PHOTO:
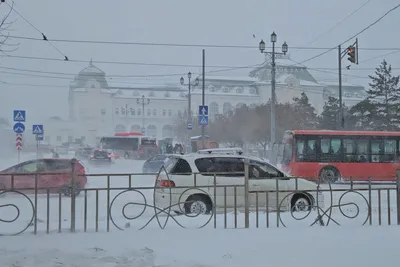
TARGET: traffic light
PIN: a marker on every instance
(352, 54)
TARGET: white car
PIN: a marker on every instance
(186, 190)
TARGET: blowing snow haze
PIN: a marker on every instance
(93, 35)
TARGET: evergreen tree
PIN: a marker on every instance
(385, 95)
(363, 116)
(330, 116)
(304, 113)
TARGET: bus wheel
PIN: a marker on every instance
(329, 175)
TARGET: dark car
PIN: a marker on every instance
(83, 153)
(102, 156)
(154, 164)
(53, 175)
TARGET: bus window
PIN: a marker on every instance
(299, 150)
(389, 150)
(330, 149)
(376, 150)
(349, 147)
(362, 150)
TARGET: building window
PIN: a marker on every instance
(164, 112)
(151, 94)
(133, 112)
(214, 109)
(139, 112)
(226, 108)
(154, 112)
(59, 139)
(148, 112)
(252, 91)
(239, 90)
(123, 111)
(117, 111)
(211, 88)
(103, 111)
(225, 89)
(170, 113)
(167, 94)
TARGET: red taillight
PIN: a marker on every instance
(166, 183)
(112, 155)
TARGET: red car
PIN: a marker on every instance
(53, 174)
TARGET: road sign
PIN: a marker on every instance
(19, 128)
(143, 130)
(203, 115)
(37, 129)
(18, 143)
(190, 126)
(203, 111)
(19, 115)
(39, 137)
(203, 120)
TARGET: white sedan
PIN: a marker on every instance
(184, 189)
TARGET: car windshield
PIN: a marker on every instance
(169, 163)
(100, 153)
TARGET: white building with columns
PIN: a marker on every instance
(97, 109)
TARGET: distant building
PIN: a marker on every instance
(97, 109)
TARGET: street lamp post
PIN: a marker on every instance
(273, 95)
(189, 121)
(143, 101)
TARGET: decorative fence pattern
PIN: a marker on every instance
(127, 204)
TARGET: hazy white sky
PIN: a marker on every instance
(219, 22)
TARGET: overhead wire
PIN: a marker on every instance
(44, 37)
(355, 35)
(338, 23)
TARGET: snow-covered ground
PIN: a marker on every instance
(305, 247)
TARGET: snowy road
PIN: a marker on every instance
(91, 208)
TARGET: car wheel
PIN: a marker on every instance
(301, 203)
(329, 175)
(198, 204)
(66, 190)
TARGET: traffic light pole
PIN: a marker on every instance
(352, 51)
(340, 87)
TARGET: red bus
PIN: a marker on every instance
(131, 145)
(342, 155)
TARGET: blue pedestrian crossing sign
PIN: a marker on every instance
(19, 128)
(203, 115)
(203, 120)
(37, 129)
(19, 115)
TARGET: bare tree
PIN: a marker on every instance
(5, 23)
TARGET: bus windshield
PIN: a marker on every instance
(287, 149)
(120, 143)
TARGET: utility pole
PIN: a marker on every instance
(203, 138)
(273, 83)
(352, 52)
(143, 101)
(190, 120)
